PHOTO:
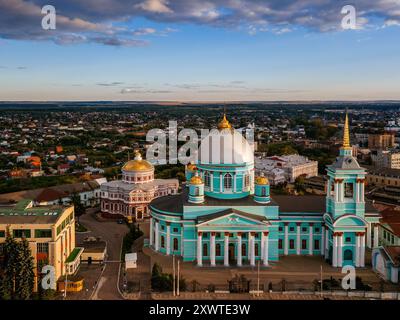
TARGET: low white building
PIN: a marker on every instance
(130, 260)
(287, 168)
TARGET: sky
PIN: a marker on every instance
(199, 50)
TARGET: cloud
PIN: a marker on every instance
(144, 31)
(143, 91)
(110, 84)
(106, 22)
(156, 6)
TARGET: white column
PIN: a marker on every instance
(221, 182)
(310, 240)
(199, 250)
(252, 250)
(362, 251)
(376, 236)
(151, 231)
(157, 236)
(336, 191)
(239, 250)
(286, 240)
(212, 249)
(326, 243)
(357, 191)
(369, 235)
(298, 239)
(334, 251)
(322, 240)
(234, 182)
(265, 249)
(362, 192)
(357, 263)
(212, 182)
(226, 249)
(262, 245)
(168, 238)
(340, 250)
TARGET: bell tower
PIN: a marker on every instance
(345, 190)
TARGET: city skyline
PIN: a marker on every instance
(156, 50)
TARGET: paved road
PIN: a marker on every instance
(113, 233)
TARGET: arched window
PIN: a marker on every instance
(243, 250)
(263, 191)
(228, 181)
(207, 179)
(205, 250)
(175, 244)
(348, 255)
(246, 180)
(256, 253)
(218, 249)
(162, 242)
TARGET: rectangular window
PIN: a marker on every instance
(317, 230)
(316, 244)
(291, 244)
(22, 233)
(175, 230)
(43, 233)
(304, 244)
(2, 234)
(43, 248)
(304, 229)
(348, 239)
(291, 229)
(280, 244)
(280, 229)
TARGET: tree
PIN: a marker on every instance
(7, 286)
(79, 207)
(17, 281)
(25, 277)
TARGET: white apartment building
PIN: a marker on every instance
(286, 168)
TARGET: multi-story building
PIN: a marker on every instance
(380, 141)
(226, 216)
(130, 196)
(383, 177)
(386, 258)
(386, 159)
(293, 166)
(50, 231)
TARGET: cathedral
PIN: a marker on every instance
(129, 197)
(225, 215)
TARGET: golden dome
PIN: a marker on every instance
(224, 123)
(138, 164)
(196, 180)
(191, 167)
(261, 180)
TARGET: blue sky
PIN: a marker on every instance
(222, 51)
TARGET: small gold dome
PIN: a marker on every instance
(191, 167)
(261, 180)
(138, 164)
(196, 180)
(224, 124)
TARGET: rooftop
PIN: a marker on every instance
(23, 212)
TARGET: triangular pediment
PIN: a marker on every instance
(231, 219)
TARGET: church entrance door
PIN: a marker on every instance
(231, 252)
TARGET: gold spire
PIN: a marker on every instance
(346, 133)
(224, 123)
